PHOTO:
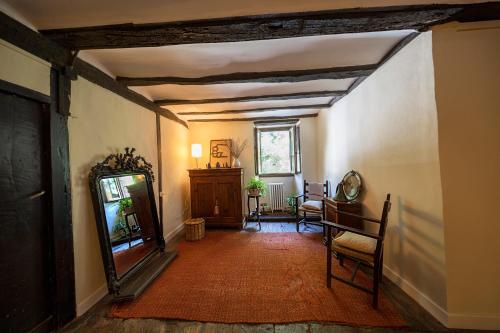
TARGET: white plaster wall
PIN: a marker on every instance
(101, 123)
(175, 162)
(386, 129)
(468, 101)
(24, 69)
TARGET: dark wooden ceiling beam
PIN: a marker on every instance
(250, 77)
(309, 115)
(277, 108)
(300, 95)
(271, 26)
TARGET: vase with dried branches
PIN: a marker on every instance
(236, 149)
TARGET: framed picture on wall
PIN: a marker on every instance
(220, 151)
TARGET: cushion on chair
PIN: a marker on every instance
(355, 245)
(312, 205)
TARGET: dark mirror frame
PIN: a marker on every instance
(129, 285)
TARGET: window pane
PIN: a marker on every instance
(275, 156)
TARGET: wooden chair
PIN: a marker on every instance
(364, 247)
(312, 204)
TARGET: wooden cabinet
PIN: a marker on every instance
(353, 207)
(216, 196)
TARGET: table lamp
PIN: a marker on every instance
(196, 152)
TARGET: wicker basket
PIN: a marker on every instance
(195, 229)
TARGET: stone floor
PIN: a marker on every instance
(95, 320)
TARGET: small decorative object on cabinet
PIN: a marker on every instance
(220, 152)
(216, 196)
(237, 148)
(351, 185)
(196, 152)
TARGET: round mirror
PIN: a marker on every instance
(352, 185)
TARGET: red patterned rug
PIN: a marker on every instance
(235, 277)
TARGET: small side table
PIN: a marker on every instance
(257, 207)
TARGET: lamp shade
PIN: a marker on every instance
(196, 150)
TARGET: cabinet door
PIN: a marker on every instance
(228, 196)
(203, 197)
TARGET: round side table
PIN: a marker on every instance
(257, 207)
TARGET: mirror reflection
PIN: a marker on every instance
(129, 220)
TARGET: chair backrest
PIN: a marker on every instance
(315, 191)
(383, 223)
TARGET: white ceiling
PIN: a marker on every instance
(197, 60)
(211, 91)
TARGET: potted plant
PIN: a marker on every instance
(256, 186)
(124, 207)
(292, 203)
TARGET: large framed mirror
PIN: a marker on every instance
(131, 240)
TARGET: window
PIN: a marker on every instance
(116, 188)
(277, 149)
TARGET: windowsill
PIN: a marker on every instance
(269, 175)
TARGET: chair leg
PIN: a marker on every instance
(297, 222)
(329, 258)
(381, 276)
(341, 259)
(376, 276)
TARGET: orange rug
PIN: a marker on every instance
(233, 277)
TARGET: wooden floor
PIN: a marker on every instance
(418, 319)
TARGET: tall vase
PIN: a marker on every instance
(236, 162)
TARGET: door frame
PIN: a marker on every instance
(62, 274)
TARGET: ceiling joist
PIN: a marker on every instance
(263, 77)
(309, 115)
(276, 108)
(299, 95)
(271, 26)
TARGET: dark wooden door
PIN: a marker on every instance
(25, 251)
(228, 195)
(203, 201)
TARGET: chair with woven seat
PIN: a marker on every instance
(312, 209)
(364, 247)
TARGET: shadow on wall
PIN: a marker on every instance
(415, 243)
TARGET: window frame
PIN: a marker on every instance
(295, 157)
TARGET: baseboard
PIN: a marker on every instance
(428, 304)
(474, 321)
(90, 301)
(171, 235)
(450, 320)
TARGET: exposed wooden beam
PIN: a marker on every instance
(402, 43)
(292, 107)
(271, 26)
(65, 61)
(31, 41)
(265, 77)
(300, 95)
(311, 115)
